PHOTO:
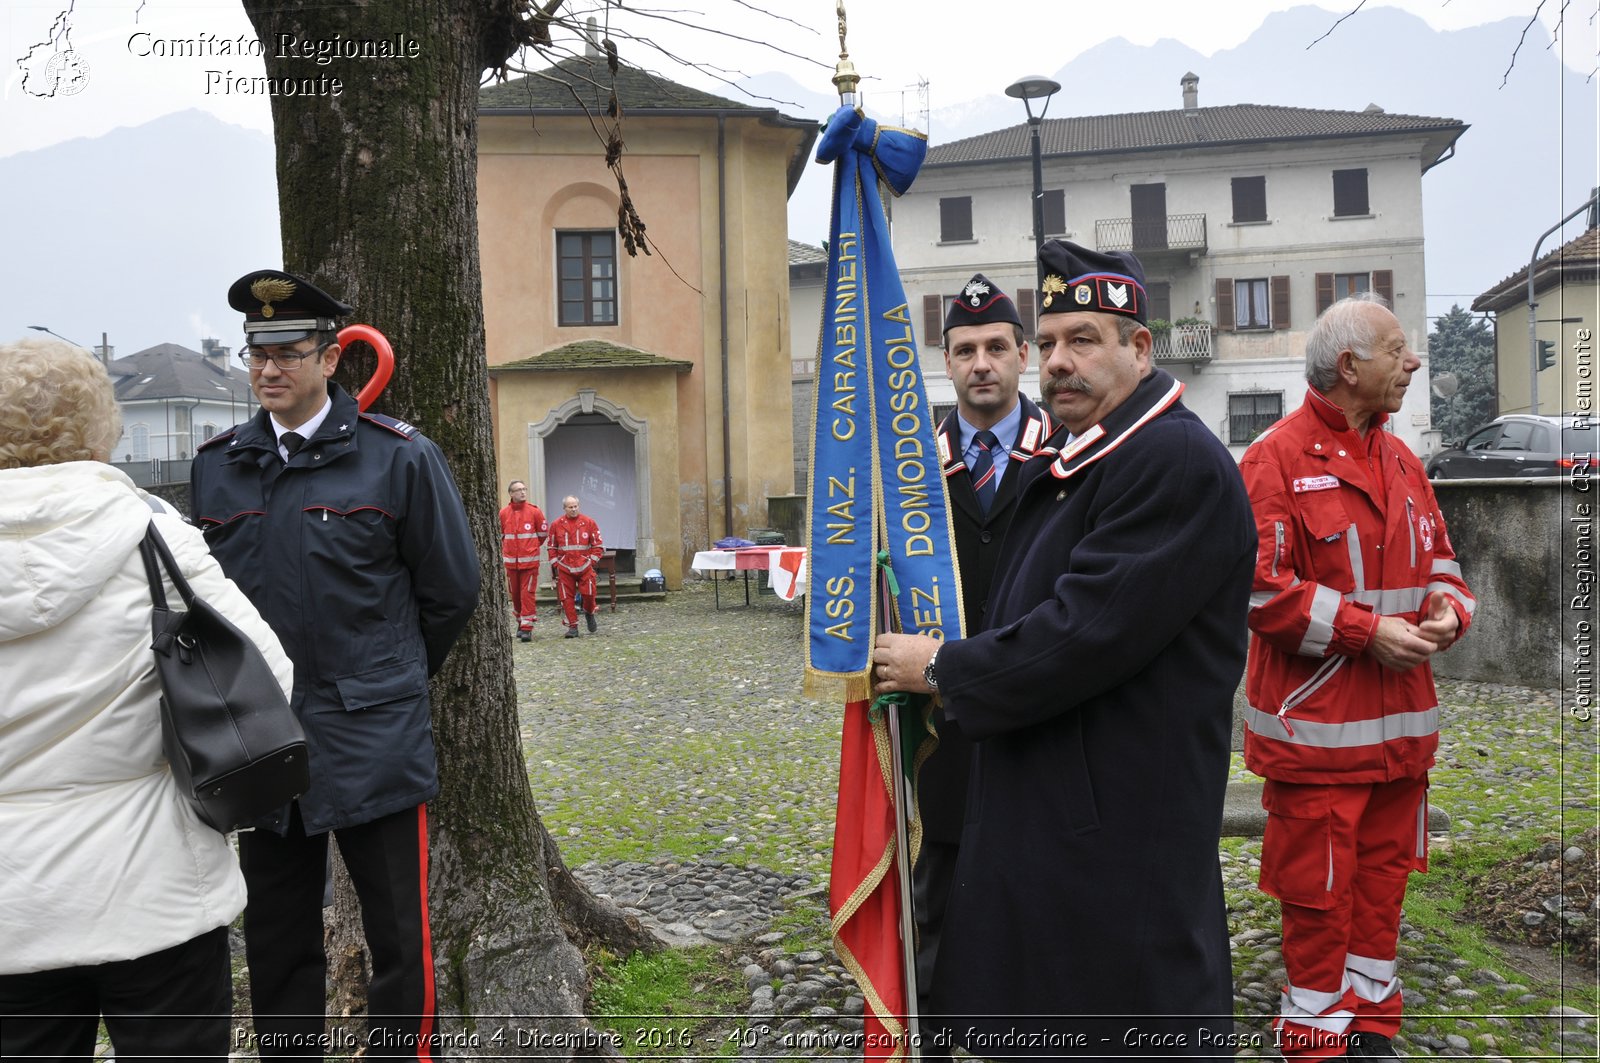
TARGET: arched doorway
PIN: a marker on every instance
(595, 449)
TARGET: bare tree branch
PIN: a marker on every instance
(1506, 77)
(1335, 25)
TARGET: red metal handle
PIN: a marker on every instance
(385, 368)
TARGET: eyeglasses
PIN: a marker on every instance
(288, 361)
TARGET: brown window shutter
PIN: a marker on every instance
(1225, 304)
(933, 320)
(1280, 302)
(1383, 284)
(1324, 292)
(1027, 311)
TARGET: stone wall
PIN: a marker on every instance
(1515, 544)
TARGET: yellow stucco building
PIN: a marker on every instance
(654, 387)
(1567, 296)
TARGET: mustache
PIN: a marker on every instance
(1058, 384)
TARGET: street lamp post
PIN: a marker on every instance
(57, 335)
(1028, 89)
(1533, 322)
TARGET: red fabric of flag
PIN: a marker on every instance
(864, 889)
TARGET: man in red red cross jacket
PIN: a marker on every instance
(574, 548)
(523, 531)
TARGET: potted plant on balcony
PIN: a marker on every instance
(1191, 336)
(1161, 334)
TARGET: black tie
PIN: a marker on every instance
(292, 442)
(983, 470)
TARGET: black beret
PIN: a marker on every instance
(980, 303)
(279, 307)
(1076, 279)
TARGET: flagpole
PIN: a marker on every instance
(902, 844)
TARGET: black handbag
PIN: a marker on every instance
(236, 748)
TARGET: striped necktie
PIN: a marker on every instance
(984, 478)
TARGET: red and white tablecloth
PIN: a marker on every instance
(785, 565)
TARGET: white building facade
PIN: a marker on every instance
(1248, 219)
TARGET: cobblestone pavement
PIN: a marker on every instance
(676, 760)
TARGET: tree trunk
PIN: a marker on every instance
(377, 188)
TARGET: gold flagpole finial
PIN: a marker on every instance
(845, 78)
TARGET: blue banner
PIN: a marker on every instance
(875, 473)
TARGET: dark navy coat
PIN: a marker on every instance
(358, 554)
(1100, 699)
(942, 782)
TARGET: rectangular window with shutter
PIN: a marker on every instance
(933, 320)
(1280, 302)
(1224, 295)
(1027, 310)
(1331, 287)
(1350, 194)
(1055, 212)
(1249, 199)
(1251, 309)
(955, 219)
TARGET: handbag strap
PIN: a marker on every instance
(164, 621)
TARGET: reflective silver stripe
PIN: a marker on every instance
(1319, 633)
(1300, 1004)
(1358, 568)
(1422, 826)
(527, 535)
(1441, 567)
(1372, 990)
(1260, 598)
(1390, 602)
(581, 547)
(508, 535)
(1468, 602)
(1377, 970)
(1347, 735)
(1329, 886)
(1277, 544)
(1410, 527)
(508, 559)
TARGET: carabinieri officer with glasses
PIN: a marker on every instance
(346, 531)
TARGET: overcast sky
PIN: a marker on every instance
(962, 49)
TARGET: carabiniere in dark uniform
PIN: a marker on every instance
(346, 531)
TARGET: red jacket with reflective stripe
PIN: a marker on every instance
(522, 533)
(575, 542)
(1349, 531)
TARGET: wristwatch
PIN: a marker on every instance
(928, 676)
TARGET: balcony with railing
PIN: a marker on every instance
(1192, 344)
(1144, 236)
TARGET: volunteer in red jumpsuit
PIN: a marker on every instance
(1356, 587)
(523, 530)
(574, 548)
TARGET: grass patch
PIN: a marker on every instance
(675, 1004)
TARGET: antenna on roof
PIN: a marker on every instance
(919, 117)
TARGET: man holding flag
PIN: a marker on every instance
(1099, 695)
(982, 442)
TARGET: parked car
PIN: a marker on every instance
(1519, 444)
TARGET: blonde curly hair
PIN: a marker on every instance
(56, 405)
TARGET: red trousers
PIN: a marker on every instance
(572, 585)
(1337, 857)
(523, 584)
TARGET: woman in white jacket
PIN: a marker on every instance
(115, 899)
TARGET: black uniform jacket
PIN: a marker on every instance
(942, 783)
(1100, 699)
(358, 553)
